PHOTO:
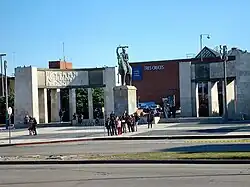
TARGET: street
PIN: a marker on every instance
(122, 146)
(125, 175)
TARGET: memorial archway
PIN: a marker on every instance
(32, 85)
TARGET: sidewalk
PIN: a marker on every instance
(49, 134)
(159, 131)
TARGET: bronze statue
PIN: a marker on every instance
(124, 68)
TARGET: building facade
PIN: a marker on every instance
(197, 83)
(156, 80)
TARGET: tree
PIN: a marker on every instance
(98, 97)
(82, 101)
(11, 98)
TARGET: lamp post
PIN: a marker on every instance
(1, 62)
(201, 39)
(201, 46)
(224, 57)
(6, 101)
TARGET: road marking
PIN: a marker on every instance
(219, 141)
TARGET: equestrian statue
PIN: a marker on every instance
(124, 68)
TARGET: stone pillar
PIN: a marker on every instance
(213, 99)
(125, 100)
(72, 103)
(231, 99)
(110, 81)
(185, 89)
(55, 105)
(90, 103)
(43, 105)
(26, 94)
(195, 99)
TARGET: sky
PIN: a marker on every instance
(32, 32)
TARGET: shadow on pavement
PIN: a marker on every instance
(210, 148)
(75, 128)
(55, 136)
(222, 130)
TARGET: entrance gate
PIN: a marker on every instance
(31, 85)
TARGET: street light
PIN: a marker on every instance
(1, 62)
(201, 46)
(201, 38)
(6, 100)
(224, 57)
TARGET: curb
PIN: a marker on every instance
(185, 137)
(85, 162)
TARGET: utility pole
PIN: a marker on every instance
(2, 81)
(6, 101)
(225, 58)
(63, 51)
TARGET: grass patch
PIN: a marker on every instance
(172, 155)
(136, 156)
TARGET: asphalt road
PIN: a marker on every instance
(125, 175)
(128, 146)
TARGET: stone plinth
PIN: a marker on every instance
(195, 99)
(125, 99)
(185, 89)
(213, 100)
(231, 99)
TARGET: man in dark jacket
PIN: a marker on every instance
(150, 119)
(33, 124)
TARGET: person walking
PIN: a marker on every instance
(150, 119)
(119, 125)
(107, 125)
(137, 119)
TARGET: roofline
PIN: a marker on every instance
(192, 60)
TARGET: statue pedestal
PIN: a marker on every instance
(125, 100)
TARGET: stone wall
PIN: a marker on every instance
(217, 71)
(242, 82)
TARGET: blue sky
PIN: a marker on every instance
(32, 31)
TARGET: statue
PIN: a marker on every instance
(124, 68)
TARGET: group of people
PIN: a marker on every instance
(32, 124)
(116, 125)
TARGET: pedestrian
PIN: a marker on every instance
(119, 125)
(150, 119)
(107, 124)
(32, 126)
(137, 119)
(132, 123)
(124, 129)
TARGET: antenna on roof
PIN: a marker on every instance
(63, 51)
(217, 49)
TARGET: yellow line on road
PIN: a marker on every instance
(219, 141)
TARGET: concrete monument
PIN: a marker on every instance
(125, 98)
(32, 85)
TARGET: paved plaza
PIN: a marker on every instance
(47, 134)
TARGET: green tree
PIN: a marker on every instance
(98, 97)
(82, 101)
